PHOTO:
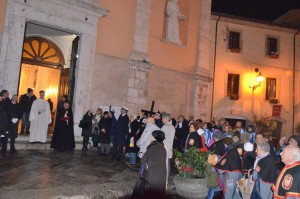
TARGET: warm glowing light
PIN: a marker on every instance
(51, 92)
(260, 78)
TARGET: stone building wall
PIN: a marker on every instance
(252, 55)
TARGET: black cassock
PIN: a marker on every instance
(63, 136)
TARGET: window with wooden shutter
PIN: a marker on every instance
(234, 41)
(233, 82)
(271, 88)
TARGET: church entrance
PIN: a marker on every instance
(48, 63)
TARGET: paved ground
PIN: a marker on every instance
(48, 174)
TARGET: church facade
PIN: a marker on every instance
(116, 53)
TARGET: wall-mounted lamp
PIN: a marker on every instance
(259, 80)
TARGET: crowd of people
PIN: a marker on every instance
(149, 140)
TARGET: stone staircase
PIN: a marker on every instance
(23, 144)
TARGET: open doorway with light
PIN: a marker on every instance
(48, 63)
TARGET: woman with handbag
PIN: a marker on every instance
(153, 173)
(86, 124)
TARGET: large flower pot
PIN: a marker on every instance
(190, 188)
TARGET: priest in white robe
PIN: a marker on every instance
(40, 118)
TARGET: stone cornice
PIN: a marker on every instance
(252, 23)
(138, 64)
(203, 76)
(79, 5)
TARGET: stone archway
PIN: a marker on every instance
(234, 113)
(80, 17)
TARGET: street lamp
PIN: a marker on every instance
(259, 80)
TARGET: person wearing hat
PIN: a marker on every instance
(122, 129)
(40, 118)
(248, 156)
(63, 135)
(153, 168)
(26, 101)
(294, 140)
(218, 147)
(236, 137)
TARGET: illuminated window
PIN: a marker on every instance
(233, 86)
(270, 88)
(40, 51)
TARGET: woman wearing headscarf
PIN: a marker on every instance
(153, 173)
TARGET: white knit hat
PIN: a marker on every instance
(248, 146)
(200, 131)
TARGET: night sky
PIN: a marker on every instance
(264, 10)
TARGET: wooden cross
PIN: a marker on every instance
(146, 112)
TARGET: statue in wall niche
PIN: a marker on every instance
(173, 17)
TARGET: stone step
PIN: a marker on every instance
(23, 144)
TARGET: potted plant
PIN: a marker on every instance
(191, 165)
(233, 96)
(273, 101)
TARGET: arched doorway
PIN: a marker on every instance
(43, 69)
(42, 61)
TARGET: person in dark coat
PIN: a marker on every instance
(105, 130)
(248, 157)
(132, 137)
(15, 114)
(193, 139)
(264, 170)
(229, 169)
(158, 120)
(218, 146)
(87, 132)
(181, 133)
(26, 101)
(153, 169)
(120, 136)
(4, 125)
(60, 104)
(63, 135)
(111, 115)
(5, 102)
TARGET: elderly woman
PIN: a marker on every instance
(153, 172)
(193, 139)
(265, 171)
